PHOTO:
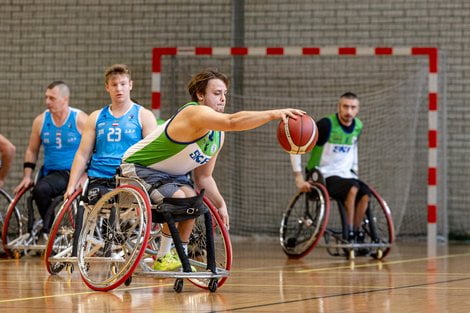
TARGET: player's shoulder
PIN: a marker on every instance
(41, 116)
(193, 108)
(358, 122)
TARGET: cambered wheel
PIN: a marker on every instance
(15, 221)
(60, 242)
(304, 221)
(378, 225)
(5, 200)
(114, 236)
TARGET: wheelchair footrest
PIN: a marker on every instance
(201, 275)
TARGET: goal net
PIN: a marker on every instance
(254, 174)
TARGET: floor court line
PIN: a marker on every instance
(82, 293)
(342, 295)
(385, 263)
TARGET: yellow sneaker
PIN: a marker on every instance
(169, 262)
(175, 254)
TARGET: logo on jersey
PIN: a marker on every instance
(341, 149)
(198, 157)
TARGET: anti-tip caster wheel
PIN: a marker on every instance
(178, 286)
(378, 255)
(213, 284)
(69, 268)
(351, 255)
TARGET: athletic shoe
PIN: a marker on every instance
(169, 262)
(175, 255)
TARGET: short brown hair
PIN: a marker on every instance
(116, 69)
(63, 88)
(198, 82)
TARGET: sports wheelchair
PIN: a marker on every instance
(121, 234)
(22, 226)
(308, 218)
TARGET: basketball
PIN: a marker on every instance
(298, 136)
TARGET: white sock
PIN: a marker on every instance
(165, 245)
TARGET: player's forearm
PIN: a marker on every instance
(211, 190)
(77, 170)
(245, 120)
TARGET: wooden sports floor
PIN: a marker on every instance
(264, 280)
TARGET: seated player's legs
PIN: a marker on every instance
(162, 185)
(45, 190)
(354, 194)
(96, 188)
(362, 202)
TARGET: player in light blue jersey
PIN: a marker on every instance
(58, 130)
(108, 133)
(190, 142)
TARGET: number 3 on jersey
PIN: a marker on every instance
(114, 134)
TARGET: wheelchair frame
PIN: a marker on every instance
(132, 206)
(306, 218)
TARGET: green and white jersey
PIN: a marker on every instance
(160, 152)
(338, 156)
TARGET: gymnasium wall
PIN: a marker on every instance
(75, 41)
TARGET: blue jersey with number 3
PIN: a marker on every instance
(113, 137)
(60, 142)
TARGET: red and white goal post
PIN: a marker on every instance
(431, 53)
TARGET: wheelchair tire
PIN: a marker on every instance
(378, 225)
(197, 247)
(15, 220)
(113, 238)
(304, 221)
(5, 200)
(60, 242)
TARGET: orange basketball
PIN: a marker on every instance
(297, 136)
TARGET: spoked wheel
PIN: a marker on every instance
(114, 237)
(378, 225)
(15, 223)
(60, 243)
(197, 252)
(304, 221)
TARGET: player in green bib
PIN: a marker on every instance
(189, 142)
(335, 156)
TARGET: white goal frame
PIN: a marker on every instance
(431, 53)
